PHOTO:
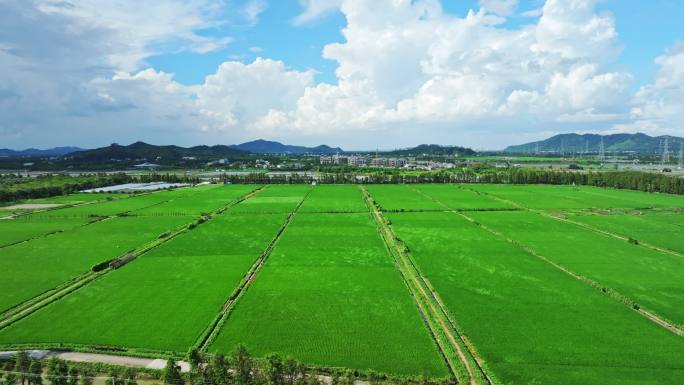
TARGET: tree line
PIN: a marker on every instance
(237, 368)
(632, 180)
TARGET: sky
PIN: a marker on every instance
(360, 74)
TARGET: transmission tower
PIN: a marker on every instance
(602, 150)
(681, 154)
(562, 148)
(536, 148)
(666, 152)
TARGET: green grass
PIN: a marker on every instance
(662, 229)
(31, 268)
(334, 198)
(460, 198)
(653, 279)
(274, 199)
(202, 200)
(400, 197)
(329, 295)
(78, 198)
(23, 228)
(578, 197)
(530, 322)
(161, 301)
(114, 207)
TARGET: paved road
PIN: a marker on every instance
(134, 362)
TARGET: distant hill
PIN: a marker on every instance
(432, 149)
(621, 143)
(261, 146)
(34, 152)
(150, 152)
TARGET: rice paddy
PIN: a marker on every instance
(561, 285)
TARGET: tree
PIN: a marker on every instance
(22, 361)
(57, 371)
(241, 362)
(172, 375)
(73, 376)
(217, 372)
(114, 378)
(274, 370)
(292, 370)
(10, 378)
(36, 373)
(129, 377)
(86, 377)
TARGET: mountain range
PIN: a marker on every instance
(591, 143)
(34, 152)
(261, 146)
(432, 149)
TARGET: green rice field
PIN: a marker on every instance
(533, 284)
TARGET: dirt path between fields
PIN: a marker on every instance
(132, 362)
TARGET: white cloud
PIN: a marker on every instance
(315, 9)
(139, 29)
(659, 106)
(406, 71)
(499, 7)
(239, 94)
(407, 62)
(253, 9)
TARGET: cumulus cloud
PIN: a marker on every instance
(659, 107)
(407, 62)
(405, 69)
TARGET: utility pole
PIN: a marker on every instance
(666, 152)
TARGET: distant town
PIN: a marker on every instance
(377, 161)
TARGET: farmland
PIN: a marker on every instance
(540, 284)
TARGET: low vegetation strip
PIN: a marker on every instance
(460, 361)
(330, 297)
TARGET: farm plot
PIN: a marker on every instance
(79, 198)
(662, 229)
(653, 279)
(274, 199)
(329, 295)
(118, 206)
(578, 197)
(530, 322)
(31, 268)
(203, 199)
(401, 198)
(459, 198)
(26, 227)
(163, 300)
(334, 199)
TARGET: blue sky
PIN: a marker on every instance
(353, 73)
